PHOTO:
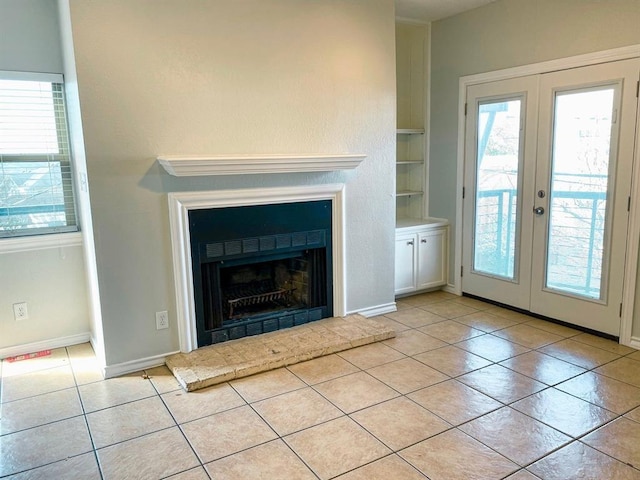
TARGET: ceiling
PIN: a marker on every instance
(431, 10)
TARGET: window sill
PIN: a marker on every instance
(40, 242)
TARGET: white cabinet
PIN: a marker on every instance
(406, 263)
(421, 256)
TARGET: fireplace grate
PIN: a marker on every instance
(256, 294)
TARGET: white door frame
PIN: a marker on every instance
(631, 265)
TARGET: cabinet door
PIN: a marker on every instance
(432, 258)
(405, 264)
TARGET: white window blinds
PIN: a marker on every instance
(36, 187)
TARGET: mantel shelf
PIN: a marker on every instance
(198, 165)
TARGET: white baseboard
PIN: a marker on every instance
(378, 310)
(450, 288)
(135, 365)
(44, 345)
(635, 343)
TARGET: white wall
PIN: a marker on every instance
(503, 34)
(252, 76)
(51, 281)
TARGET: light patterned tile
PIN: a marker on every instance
(452, 361)
(197, 473)
(36, 383)
(580, 354)
(34, 411)
(356, 391)
(85, 365)
(527, 336)
(623, 369)
(618, 439)
(407, 375)
(336, 447)
(227, 433)
(486, 321)
(162, 379)
(509, 314)
(616, 396)
(603, 343)
(188, 406)
(322, 369)
(372, 355)
(115, 391)
(412, 342)
(293, 411)
(541, 367)
(473, 303)
(501, 383)
(454, 455)
(492, 348)
(428, 298)
(47, 444)
(270, 460)
(516, 436)
(522, 475)
(267, 384)
(635, 355)
(451, 331)
(57, 358)
(415, 317)
(156, 455)
(634, 415)
(389, 467)
(577, 460)
(124, 422)
(83, 467)
(563, 412)
(554, 328)
(400, 422)
(449, 309)
(395, 326)
(454, 402)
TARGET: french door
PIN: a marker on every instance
(548, 164)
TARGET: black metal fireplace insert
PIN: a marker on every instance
(260, 268)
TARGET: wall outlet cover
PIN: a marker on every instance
(162, 320)
(20, 311)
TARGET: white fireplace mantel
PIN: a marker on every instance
(180, 203)
(197, 165)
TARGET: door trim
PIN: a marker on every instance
(633, 248)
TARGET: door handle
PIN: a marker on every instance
(538, 210)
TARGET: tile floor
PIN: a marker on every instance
(465, 391)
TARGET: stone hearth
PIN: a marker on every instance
(250, 355)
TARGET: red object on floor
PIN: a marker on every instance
(28, 356)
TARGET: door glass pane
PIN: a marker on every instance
(497, 162)
(578, 196)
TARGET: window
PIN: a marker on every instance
(36, 187)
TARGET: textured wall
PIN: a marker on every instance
(51, 281)
(503, 34)
(251, 76)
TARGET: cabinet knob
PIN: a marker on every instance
(423, 240)
(410, 242)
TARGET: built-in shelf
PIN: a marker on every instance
(408, 193)
(409, 131)
(409, 162)
(198, 165)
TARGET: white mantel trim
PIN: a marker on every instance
(197, 165)
(181, 202)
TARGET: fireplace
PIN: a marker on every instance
(260, 268)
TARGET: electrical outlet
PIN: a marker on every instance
(20, 311)
(162, 320)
